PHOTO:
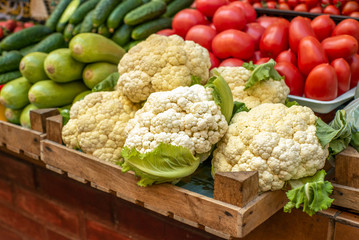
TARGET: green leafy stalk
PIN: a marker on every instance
(337, 134)
(65, 113)
(222, 95)
(108, 84)
(239, 107)
(261, 72)
(195, 80)
(290, 103)
(310, 192)
(165, 163)
(352, 110)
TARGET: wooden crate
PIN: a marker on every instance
(23, 140)
(346, 180)
(235, 210)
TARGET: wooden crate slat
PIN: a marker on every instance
(38, 118)
(345, 196)
(347, 168)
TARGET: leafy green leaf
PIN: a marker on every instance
(249, 65)
(65, 113)
(239, 107)
(262, 72)
(310, 192)
(195, 80)
(222, 95)
(108, 84)
(290, 103)
(165, 163)
(352, 110)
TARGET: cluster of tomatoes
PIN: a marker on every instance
(318, 58)
(11, 25)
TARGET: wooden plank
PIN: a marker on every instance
(54, 128)
(345, 196)
(166, 197)
(347, 168)
(237, 188)
(17, 139)
(38, 118)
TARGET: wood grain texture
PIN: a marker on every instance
(54, 128)
(345, 196)
(347, 168)
(38, 118)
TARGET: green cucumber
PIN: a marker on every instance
(25, 37)
(14, 93)
(176, 6)
(50, 43)
(103, 10)
(55, 16)
(61, 67)
(70, 9)
(6, 77)
(122, 36)
(10, 61)
(81, 96)
(144, 30)
(86, 25)
(32, 67)
(96, 72)
(82, 11)
(25, 115)
(117, 15)
(68, 32)
(13, 115)
(103, 30)
(130, 45)
(48, 94)
(27, 50)
(146, 12)
(91, 47)
(76, 29)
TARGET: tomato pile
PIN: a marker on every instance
(11, 25)
(318, 58)
(334, 7)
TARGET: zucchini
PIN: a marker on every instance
(25, 115)
(26, 50)
(103, 10)
(122, 36)
(86, 25)
(25, 37)
(117, 15)
(14, 93)
(68, 32)
(96, 72)
(76, 29)
(176, 6)
(70, 9)
(103, 30)
(50, 43)
(145, 12)
(146, 29)
(13, 115)
(82, 11)
(10, 61)
(6, 77)
(48, 94)
(55, 16)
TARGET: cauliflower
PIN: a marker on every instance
(278, 142)
(175, 129)
(161, 64)
(97, 124)
(269, 91)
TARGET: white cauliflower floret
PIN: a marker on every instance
(161, 64)
(277, 141)
(185, 116)
(97, 124)
(269, 91)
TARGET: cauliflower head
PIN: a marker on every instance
(278, 142)
(185, 116)
(269, 91)
(97, 124)
(161, 64)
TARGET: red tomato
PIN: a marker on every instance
(350, 7)
(321, 83)
(323, 26)
(28, 24)
(209, 7)
(310, 54)
(287, 56)
(1, 33)
(266, 21)
(347, 26)
(233, 43)
(343, 46)
(292, 77)
(202, 34)
(298, 29)
(292, 3)
(302, 7)
(10, 25)
(339, 3)
(257, 5)
(354, 14)
(166, 32)
(214, 61)
(19, 28)
(228, 17)
(255, 30)
(331, 9)
(186, 19)
(262, 60)
(274, 39)
(249, 12)
(310, 3)
(317, 9)
(231, 62)
(271, 5)
(342, 69)
(326, 2)
(257, 55)
(283, 6)
(354, 70)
